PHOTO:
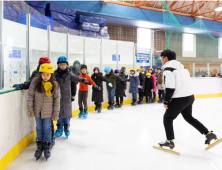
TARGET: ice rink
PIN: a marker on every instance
(122, 139)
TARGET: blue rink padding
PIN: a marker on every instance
(41, 10)
(103, 31)
(86, 26)
(100, 21)
(88, 34)
(36, 21)
(60, 9)
(105, 36)
(61, 17)
(39, 4)
(71, 25)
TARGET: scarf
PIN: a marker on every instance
(48, 87)
(62, 72)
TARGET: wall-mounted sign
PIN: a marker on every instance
(15, 54)
(143, 58)
(114, 57)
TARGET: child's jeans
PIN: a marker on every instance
(111, 95)
(134, 96)
(44, 129)
(63, 121)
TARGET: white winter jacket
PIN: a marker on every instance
(178, 78)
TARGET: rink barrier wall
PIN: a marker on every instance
(21, 129)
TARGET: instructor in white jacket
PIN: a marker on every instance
(178, 98)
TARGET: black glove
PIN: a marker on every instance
(86, 82)
(97, 87)
(18, 86)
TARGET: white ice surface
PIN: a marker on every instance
(122, 139)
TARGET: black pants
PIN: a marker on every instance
(161, 94)
(154, 95)
(141, 95)
(148, 95)
(183, 106)
(98, 104)
(117, 99)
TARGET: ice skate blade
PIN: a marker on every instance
(213, 144)
(166, 150)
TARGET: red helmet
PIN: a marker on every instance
(44, 60)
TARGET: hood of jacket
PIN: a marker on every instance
(173, 64)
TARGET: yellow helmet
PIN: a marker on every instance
(132, 69)
(150, 68)
(139, 69)
(46, 68)
(148, 74)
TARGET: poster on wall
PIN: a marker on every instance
(114, 57)
(143, 58)
(15, 54)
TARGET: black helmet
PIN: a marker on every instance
(83, 66)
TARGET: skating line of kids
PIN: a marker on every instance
(51, 93)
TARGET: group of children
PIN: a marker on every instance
(51, 93)
(141, 82)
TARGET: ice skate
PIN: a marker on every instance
(66, 130)
(121, 104)
(112, 106)
(47, 152)
(59, 131)
(109, 107)
(168, 144)
(38, 152)
(209, 137)
(85, 114)
(81, 113)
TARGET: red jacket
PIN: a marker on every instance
(84, 87)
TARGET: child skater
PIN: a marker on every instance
(44, 103)
(111, 90)
(154, 84)
(148, 88)
(160, 84)
(64, 76)
(134, 85)
(97, 95)
(141, 89)
(83, 92)
(119, 93)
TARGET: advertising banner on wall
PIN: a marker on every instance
(143, 58)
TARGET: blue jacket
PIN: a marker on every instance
(134, 82)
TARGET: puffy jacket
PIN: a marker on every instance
(112, 78)
(97, 95)
(85, 87)
(39, 102)
(177, 80)
(160, 82)
(154, 82)
(134, 82)
(142, 81)
(148, 86)
(65, 87)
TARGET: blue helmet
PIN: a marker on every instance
(116, 71)
(107, 69)
(62, 59)
(96, 68)
(159, 68)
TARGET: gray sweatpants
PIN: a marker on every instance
(83, 96)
